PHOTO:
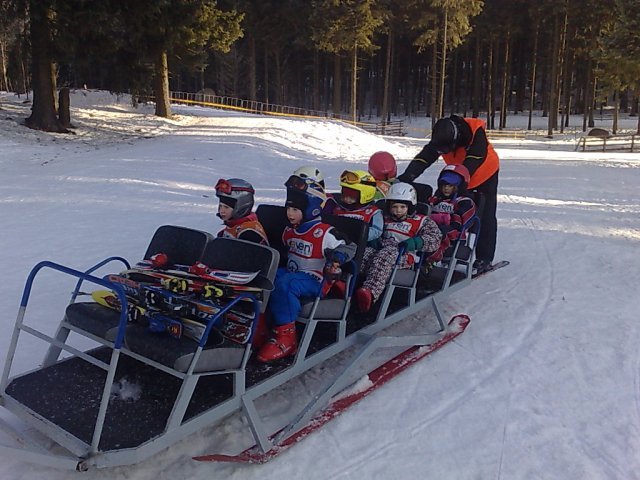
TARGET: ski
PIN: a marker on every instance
(155, 320)
(201, 271)
(162, 311)
(377, 378)
(182, 282)
(494, 267)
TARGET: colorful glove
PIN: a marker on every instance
(412, 244)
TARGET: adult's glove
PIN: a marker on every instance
(412, 244)
(406, 177)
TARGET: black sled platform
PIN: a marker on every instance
(75, 397)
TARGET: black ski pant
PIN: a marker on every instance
(486, 248)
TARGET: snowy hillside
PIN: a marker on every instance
(544, 384)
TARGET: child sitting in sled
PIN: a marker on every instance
(403, 227)
(357, 200)
(314, 248)
(451, 208)
(235, 210)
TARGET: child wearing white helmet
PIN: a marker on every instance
(403, 228)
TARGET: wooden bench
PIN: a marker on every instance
(599, 139)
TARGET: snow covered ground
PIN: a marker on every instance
(544, 384)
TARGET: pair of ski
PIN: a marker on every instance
(163, 310)
(155, 320)
(200, 279)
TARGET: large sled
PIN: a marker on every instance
(186, 386)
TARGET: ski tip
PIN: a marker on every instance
(459, 321)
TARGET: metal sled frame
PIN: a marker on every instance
(83, 455)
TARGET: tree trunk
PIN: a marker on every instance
(337, 85)
(534, 65)
(354, 83)
(434, 85)
(316, 80)
(477, 79)
(3, 59)
(505, 81)
(490, 86)
(253, 83)
(593, 86)
(387, 74)
(278, 82)
(588, 101)
(454, 86)
(161, 85)
(616, 109)
(443, 65)
(553, 81)
(266, 75)
(43, 111)
(64, 110)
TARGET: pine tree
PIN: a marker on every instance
(340, 26)
(155, 29)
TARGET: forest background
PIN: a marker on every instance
(359, 58)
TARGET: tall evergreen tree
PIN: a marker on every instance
(156, 29)
(340, 26)
(619, 56)
(442, 25)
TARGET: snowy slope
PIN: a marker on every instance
(544, 383)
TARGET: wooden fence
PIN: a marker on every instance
(395, 128)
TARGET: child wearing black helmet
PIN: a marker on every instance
(236, 203)
(314, 250)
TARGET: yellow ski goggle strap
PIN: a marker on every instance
(360, 181)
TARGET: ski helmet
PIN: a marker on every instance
(402, 193)
(457, 175)
(310, 172)
(382, 166)
(445, 134)
(306, 195)
(237, 194)
(360, 184)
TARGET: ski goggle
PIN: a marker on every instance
(298, 183)
(352, 178)
(225, 187)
